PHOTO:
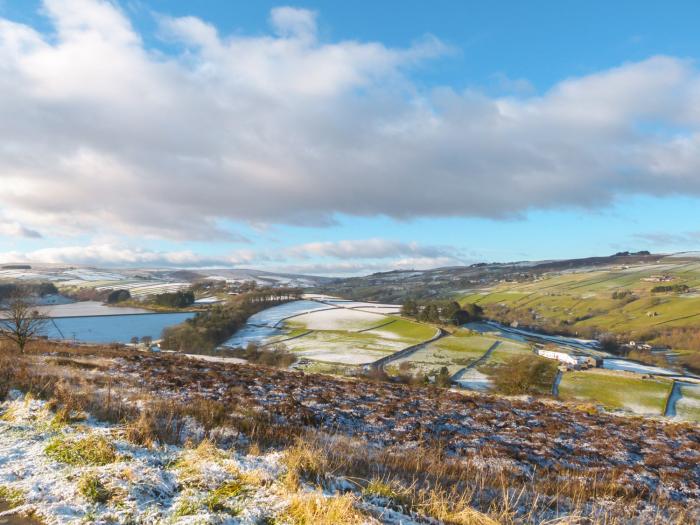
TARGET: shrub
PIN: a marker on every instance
(525, 374)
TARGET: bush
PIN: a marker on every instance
(526, 374)
(117, 296)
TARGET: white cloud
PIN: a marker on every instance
(364, 249)
(345, 257)
(293, 22)
(101, 134)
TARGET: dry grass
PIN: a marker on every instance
(316, 509)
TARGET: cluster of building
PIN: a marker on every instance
(572, 360)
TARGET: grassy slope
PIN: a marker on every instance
(616, 390)
(566, 297)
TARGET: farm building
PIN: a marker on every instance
(575, 360)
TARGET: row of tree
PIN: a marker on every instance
(444, 312)
(210, 328)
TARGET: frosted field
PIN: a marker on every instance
(276, 314)
(338, 319)
(343, 347)
(637, 368)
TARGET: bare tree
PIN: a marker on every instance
(21, 321)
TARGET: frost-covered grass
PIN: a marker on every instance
(88, 473)
(616, 390)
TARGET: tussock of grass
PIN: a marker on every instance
(439, 505)
(303, 462)
(316, 509)
(12, 497)
(92, 489)
(220, 499)
(92, 450)
(383, 489)
(186, 506)
(189, 465)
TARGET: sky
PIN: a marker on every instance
(342, 138)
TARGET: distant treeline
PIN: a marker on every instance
(9, 290)
(210, 328)
(675, 288)
(445, 312)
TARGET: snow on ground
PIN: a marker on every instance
(348, 356)
(339, 319)
(637, 368)
(131, 484)
(346, 348)
(145, 484)
(385, 310)
(472, 379)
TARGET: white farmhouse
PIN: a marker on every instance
(574, 360)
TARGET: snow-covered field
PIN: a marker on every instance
(338, 319)
(344, 348)
(637, 368)
(273, 316)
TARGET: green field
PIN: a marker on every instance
(688, 406)
(616, 390)
(404, 330)
(507, 350)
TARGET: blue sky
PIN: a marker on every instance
(346, 137)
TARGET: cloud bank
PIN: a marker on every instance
(99, 133)
(332, 258)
